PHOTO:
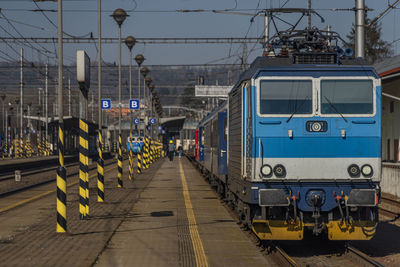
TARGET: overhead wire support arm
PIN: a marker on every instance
(112, 40)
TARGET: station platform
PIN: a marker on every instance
(168, 216)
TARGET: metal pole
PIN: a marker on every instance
(139, 89)
(61, 171)
(22, 92)
(130, 86)
(309, 14)
(119, 79)
(266, 31)
(6, 134)
(69, 97)
(360, 28)
(92, 103)
(140, 101)
(99, 62)
(4, 121)
(47, 108)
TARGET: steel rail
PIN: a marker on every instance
(10, 192)
(362, 258)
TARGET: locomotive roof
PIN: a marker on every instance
(286, 63)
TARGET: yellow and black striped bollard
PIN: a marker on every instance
(150, 154)
(83, 169)
(61, 185)
(144, 160)
(147, 158)
(130, 157)
(100, 172)
(139, 160)
(120, 182)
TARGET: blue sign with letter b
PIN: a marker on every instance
(134, 104)
(106, 104)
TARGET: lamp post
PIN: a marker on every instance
(119, 16)
(130, 41)
(147, 81)
(139, 60)
(144, 71)
(151, 88)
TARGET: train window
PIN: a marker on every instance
(286, 96)
(347, 97)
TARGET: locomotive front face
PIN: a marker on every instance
(324, 128)
(314, 150)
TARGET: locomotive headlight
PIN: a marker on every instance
(280, 171)
(353, 170)
(366, 170)
(316, 127)
(266, 170)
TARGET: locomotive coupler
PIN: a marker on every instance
(316, 205)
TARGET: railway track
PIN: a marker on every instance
(390, 207)
(311, 251)
(11, 175)
(18, 188)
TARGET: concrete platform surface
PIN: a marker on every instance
(179, 221)
(168, 216)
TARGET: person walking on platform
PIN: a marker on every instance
(180, 151)
(171, 150)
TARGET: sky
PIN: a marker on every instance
(159, 18)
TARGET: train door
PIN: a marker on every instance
(201, 143)
(222, 138)
(196, 148)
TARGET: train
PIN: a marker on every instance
(134, 144)
(296, 147)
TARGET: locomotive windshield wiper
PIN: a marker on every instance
(335, 109)
(296, 109)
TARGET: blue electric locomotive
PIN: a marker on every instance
(298, 145)
(135, 143)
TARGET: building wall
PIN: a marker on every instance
(390, 121)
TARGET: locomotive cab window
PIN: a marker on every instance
(285, 96)
(347, 97)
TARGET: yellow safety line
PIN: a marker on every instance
(44, 194)
(201, 258)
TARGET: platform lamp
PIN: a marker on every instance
(151, 88)
(139, 60)
(130, 41)
(144, 71)
(148, 81)
(119, 16)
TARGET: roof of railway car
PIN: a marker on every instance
(212, 113)
(285, 64)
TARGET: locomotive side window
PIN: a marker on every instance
(347, 97)
(285, 96)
